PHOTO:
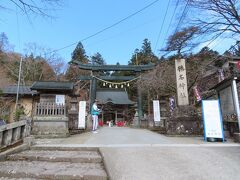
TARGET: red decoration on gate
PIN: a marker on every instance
(238, 64)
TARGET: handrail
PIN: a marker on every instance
(13, 133)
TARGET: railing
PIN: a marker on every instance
(50, 109)
(13, 133)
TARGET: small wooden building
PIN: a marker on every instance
(115, 105)
(50, 112)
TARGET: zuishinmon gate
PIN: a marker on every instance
(125, 80)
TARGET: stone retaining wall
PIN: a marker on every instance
(50, 126)
(13, 133)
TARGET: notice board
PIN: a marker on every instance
(212, 119)
(60, 99)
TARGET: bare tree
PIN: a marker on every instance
(51, 57)
(159, 81)
(35, 7)
(182, 40)
(216, 16)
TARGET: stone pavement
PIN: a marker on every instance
(144, 155)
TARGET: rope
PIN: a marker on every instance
(116, 83)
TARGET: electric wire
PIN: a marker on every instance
(160, 31)
(174, 12)
(180, 20)
(182, 16)
(108, 27)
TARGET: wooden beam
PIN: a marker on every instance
(136, 68)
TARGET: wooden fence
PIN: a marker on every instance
(50, 109)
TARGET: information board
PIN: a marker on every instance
(60, 99)
(81, 115)
(212, 118)
(156, 110)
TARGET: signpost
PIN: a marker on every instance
(156, 111)
(212, 119)
(182, 91)
(81, 115)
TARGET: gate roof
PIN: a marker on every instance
(114, 96)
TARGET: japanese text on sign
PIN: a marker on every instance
(181, 82)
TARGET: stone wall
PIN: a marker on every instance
(184, 121)
(50, 126)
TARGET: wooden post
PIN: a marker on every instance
(140, 112)
(93, 92)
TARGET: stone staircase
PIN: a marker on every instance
(54, 163)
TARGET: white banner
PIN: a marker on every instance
(81, 115)
(212, 118)
(156, 110)
(181, 78)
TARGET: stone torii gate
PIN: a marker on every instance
(97, 68)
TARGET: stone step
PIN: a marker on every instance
(61, 147)
(58, 156)
(8, 178)
(52, 170)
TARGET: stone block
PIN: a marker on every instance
(16, 134)
(1, 137)
(7, 137)
(89, 122)
(236, 137)
(50, 126)
(28, 140)
(227, 134)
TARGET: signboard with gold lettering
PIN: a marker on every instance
(181, 78)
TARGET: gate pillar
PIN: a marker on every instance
(93, 91)
(140, 112)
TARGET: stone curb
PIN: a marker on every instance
(57, 156)
(17, 149)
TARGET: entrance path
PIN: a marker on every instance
(144, 155)
(124, 136)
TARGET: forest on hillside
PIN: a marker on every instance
(191, 31)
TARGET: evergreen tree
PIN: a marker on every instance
(97, 59)
(79, 54)
(144, 55)
(4, 44)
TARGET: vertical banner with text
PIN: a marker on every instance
(81, 115)
(181, 78)
(156, 111)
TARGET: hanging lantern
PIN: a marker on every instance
(116, 86)
(128, 85)
(122, 86)
(110, 85)
(104, 84)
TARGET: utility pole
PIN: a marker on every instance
(19, 78)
